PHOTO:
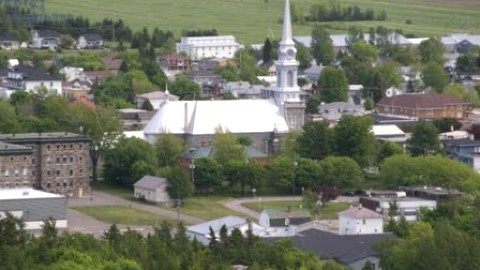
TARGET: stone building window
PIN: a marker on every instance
(58, 160)
(33, 172)
(49, 160)
(58, 146)
(16, 172)
(48, 172)
(80, 159)
(71, 184)
(71, 173)
(64, 160)
(80, 145)
(71, 146)
(80, 172)
(71, 160)
(57, 173)
(64, 184)
(7, 173)
(33, 161)
(48, 147)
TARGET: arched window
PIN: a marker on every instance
(290, 78)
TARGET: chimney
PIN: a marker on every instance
(185, 124)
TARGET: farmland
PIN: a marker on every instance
(251, 21)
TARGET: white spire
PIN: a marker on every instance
(287, 26)
(166, 95)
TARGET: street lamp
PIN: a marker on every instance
(253, 191)
(295, 164)
(192, 168)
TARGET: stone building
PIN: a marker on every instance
(53, 162)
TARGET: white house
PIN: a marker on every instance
(359, 220)
(28, 78)
(45, 39)
(90, 41)
(208, 46)
(286, 220)
(151, 189)
(391, 133)
(202, 231)
(33, 206)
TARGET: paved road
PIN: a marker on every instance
(84, 223)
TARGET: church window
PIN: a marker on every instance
(290, 78)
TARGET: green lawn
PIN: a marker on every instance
(113, 214)
(251, 21)
(329, 211)
(206, 208)
(116, 190)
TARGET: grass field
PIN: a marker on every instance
(329, 211)
(206, 208)
(113, 214)
(119, 191)
(252, 20)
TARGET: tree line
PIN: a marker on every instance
(336, 12)
(130, 250)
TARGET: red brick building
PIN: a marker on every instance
(175, 62)
(424, 106)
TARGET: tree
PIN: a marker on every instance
(281, 172)
(312, 104)
(226, 148)
(179, 185)
(352, 138)
(322, 46)
(368, 266)
(315, 141)
(304, 57)
(267, 51)
(363, 52)
(424, 140)
(185, 88)
(369, 104)
(431, 51)
(208, 174)
(435, 76)
(307, 173)
(129, 158)
(101, 125)
(8, 118)
(168, 148)
(388, 149)
(447, 124)
(333, 85)
(340, 172)
(463, 94)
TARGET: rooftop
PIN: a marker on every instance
(150, 182)
(25, 193)
(203, 152)
(43, 137)
(420, 101)
(216, 224)
(360, 213)
(387, 130)
(7, 148)
(30, 73)
(282, 213)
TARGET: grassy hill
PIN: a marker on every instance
(251, 21)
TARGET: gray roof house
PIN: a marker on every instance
(152, 189)
(352, 251)
(90, 41)
(45, 39)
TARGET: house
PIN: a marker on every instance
(393, 91)
(460, 43)
(9, 42)
(359, 220)
(45, 39)
(34, 206)
(408, 207)
(464, 150)
(333, 112)
(352, 251)
(197, 48)
(113, 64)
(155, 98)
(202, 233)
(423, 106)
(98, 75)
(56, 162)
(29, 78)
(134, 119)
(432, 193)
(151, 189)
(284, 219)
(175, 62)
(90, 41)
(391, 133)
(355, 94)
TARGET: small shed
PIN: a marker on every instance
(202, 231)
(152, 189)
(283, 217)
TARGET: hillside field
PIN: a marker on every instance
(251, 21)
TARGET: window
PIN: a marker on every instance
(33, 172)
(64, 184)
(80, 159)
(71, 184)
(71, 146)
(290, 78)
(48, 147)
(364, 222)
(80, 145)
(33, 161)
(71, 172)
(64, 160)
(80, 172)
(58, 146)
(7, 173)
(71, 160)
(48, 185)
(58, 160)
(48, 172)
(49, 160)
(58, 173)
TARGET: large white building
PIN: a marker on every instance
(30, 79)
(263, 120)
(197, 48)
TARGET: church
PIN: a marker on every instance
(265, 121)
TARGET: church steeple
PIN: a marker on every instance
(287, 26)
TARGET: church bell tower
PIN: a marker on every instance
(287, 91)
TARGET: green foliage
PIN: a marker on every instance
(463, 94)
(208, 174)
(168, 149)
(333, 85)
(304, 57)
(114, 87)
(179, 184)
(424, 139)
(431, 51)
(315, 141)
(312, 104)
(87, 61)
(244, 140)
(403, 170)
(352, 138)
(128, 160)
(322, 46)
(281, 171)
(340, 172)
(447, 124)
(435, 76)
(369, 104)
(227, 148)
(388, 149)
(363, 51)
(185, 88)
